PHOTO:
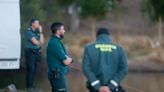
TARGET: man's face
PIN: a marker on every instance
(61, 31)
(35, 24)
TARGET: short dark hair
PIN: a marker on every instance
(33, 20)
(102, 31)
(55, 26)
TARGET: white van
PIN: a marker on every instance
(10, 41)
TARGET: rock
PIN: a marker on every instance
(10, 88)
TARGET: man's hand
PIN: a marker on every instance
(40, 28)
(67, 61)
(41, 40)
(104, 89)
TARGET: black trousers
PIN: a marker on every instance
(32, 56)
(31, 68)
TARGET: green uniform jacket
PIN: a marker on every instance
(104, 61)
(29, 34)
(56, 54)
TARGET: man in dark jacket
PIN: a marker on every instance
(104, 64)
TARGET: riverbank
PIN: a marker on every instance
(134, 82)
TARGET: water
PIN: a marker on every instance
(149, 82)
(134, 82)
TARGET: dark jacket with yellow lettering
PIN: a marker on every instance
(104, 61)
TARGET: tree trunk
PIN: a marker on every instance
(160, 31)
(118, 27)
(118, 22)
(159, 38)
(74, 17)
(93, 29)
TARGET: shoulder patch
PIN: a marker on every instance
(28, 28)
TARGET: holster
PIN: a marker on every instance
(56, 73)
(37, 53)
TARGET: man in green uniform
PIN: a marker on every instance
(33, 40)
(57, 59)
(104, 64)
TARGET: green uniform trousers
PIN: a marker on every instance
(58, 82)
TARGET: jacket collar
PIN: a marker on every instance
(104, 37)
(54, 36)
(34, 31)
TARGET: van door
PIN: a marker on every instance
(10, 41)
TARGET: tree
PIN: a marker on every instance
(117, 10)
(71, 13)
(31, 9)
(154, 9)
(94, 9)
(53, 11)
(65, 3)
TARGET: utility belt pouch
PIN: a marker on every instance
(37, 53)
(56, 73)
